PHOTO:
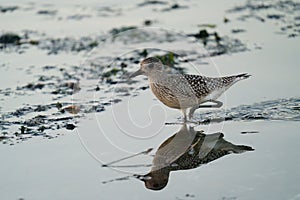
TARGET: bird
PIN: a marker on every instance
(187, 149)
(184, 91)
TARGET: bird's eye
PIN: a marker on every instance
(150, 66)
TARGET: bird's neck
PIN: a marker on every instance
(157, 77)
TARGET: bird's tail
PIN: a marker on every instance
(236, 78)
(242, 76)
(241, 148)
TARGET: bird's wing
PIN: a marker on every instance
(199, 84)
(203, 86)
(229, 80)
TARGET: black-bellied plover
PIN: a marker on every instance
(184, 91)
(187, 149)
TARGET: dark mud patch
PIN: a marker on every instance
(9, 38)
(14, 42)
(56, 12)
(285, 14)
(36, 120)
(238, 30)
(47, 12)
(5, 9)
(64, 82)
(162, 6)
(281, 109)
(218, 45)
(175, 6)
(78, 16)
(215, 43)
(108, 12)
(153, 2)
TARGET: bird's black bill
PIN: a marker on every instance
(137, 73)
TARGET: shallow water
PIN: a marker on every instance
(50, 149)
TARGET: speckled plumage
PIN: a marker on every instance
(183, 91)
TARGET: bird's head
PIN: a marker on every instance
(155, 180)
(149, 66)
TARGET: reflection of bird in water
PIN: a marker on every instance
(183, 91)
(187, 149)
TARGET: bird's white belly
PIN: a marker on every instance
(214, 94)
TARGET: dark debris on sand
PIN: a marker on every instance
(4, 9)
(280, 109)
(284, 13)
(212, 41)
(9, 38)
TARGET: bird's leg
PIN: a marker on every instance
(217, 105)
(194, 108)
(184, 115)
